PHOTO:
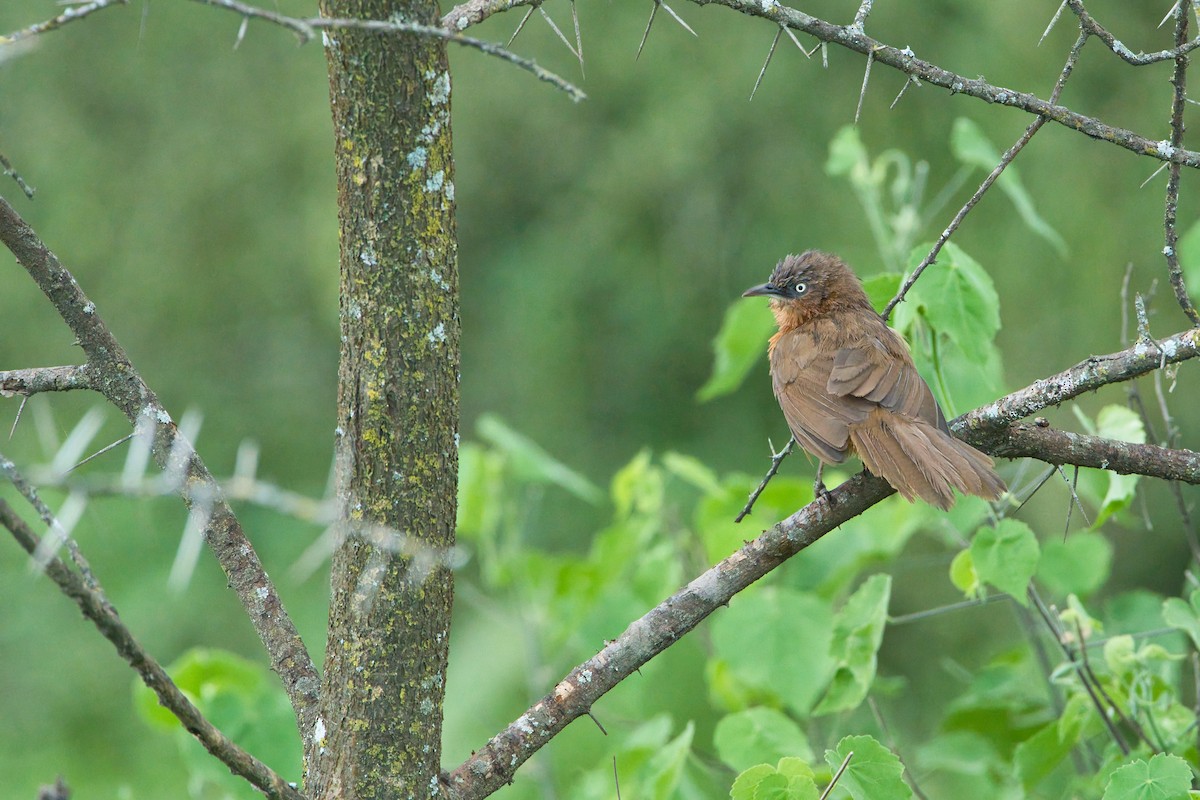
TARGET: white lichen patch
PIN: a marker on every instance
(439, 88)
(1165, 149)
(89, 308)
(418, 158)
(450, 191)
(368, 258)
(434, 182)
(437, 335)
(438, 280)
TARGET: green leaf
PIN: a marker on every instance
(846, 152)
(665, 767)
(533, 464)
(740, 344)
(857, 634)
(1036, 757)
(972, 147)
(1164, 777)
(874, 772)
(771, 636)
(1184, 616)
(963, 574)
(1080, 564)
(638, 486)
(694, 471)
(1006, 556)
(746, 784)
(759, 735)
(882, 288)
(1123, 424)
(1188, 248)
(957, 298)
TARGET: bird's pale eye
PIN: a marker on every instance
(799, 288)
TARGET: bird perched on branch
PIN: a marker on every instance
(847, 384)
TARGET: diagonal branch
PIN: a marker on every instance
(903, 60)
(1086, 376)
(70, 15)
(494, 764)
(96, 608)
(114, 376)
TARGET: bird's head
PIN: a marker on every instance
(807, 285)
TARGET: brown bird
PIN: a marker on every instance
(847, 384)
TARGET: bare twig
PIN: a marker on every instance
(1005, 160)
(96, 608)
(776, 460)
(901, 59)
(25, 188)
(1093, 28)
(118, 380)
(70, 15)
(472, 12)
(837, 776)
(1178, 103)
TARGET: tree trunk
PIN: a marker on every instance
(379, 733)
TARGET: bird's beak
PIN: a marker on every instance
(762, 290)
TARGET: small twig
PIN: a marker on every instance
(860, 16)
(1093, 28)
(766, 63)
(1005, 160)
(917, 616)
(1060, 637)
(25, 188)
(776, 460)
(306, 29)
(70, 15)
(1087, 667)
(1171, 206)
(96, 607)
(837, 775)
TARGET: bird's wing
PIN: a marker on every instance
(819, 420)
(881, 371)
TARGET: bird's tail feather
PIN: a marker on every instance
(919, 460)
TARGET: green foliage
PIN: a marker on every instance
(738, 347)
(873, 771)
(1006, 556)
(745, 738)
(1163, 777)
(244, 701)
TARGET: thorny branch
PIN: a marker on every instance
(70, 15)
(1005, 160)
(111, 373)
(87, 594)
(987, 427)
(1178, 103)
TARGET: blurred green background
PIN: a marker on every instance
(189, 186)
